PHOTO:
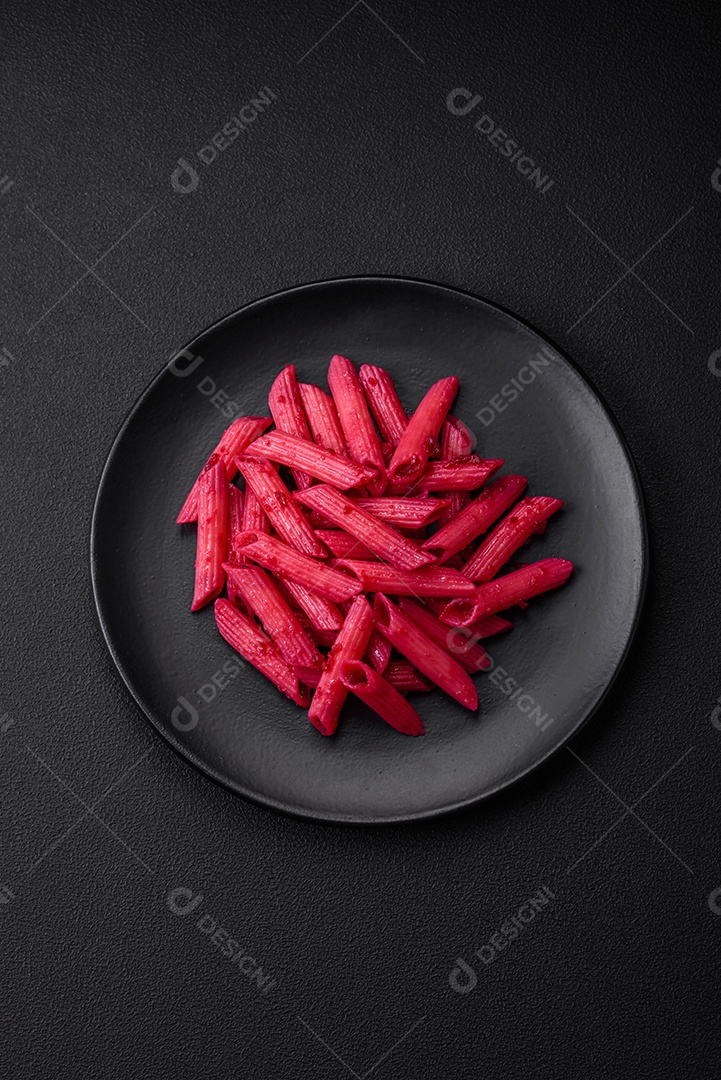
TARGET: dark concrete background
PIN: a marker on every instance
(357, 166)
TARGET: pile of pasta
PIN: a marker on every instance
(357, 558)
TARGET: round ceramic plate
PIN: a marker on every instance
(524, 401)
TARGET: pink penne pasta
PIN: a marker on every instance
(355, 419)
(286, 407)
(319, 463)
(246, 637)
(384, 403)
(477, 517)
(456, 442)
(425, 581)
(233, 441)
(255, 518)
(482, 628)
(375, 534)
(285, 515)
(349, 564)
(236, 499)
(427, 656)
(323, 418)
(235, 528)
(309, 676)
(406, 678)
(262, 597)
(343, 545)
(379, 650)
(291, 565)
(350, 644)
(470, 655)
(515, 588)
(462, 474)
(404, 513)
(212, 540)
(411, 454)
(528, 517)
(373, 690)
(324, 616)
(490, 626)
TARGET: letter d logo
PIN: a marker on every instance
(716, 177)
(184, 178)
(467, 983)
(184, 706)
(181, 901)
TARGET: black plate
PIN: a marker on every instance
(526, 403)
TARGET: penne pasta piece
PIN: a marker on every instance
(379, 650)
(406, 678)
(404, 513)
(246, 637)
(233, 441)
(456, 442)
(490, 626)
(307, 675)
(323, 615)
(411, 454)
(291, 565)
(285, 515)
(462, 474)
(236, 499)
(320, 637)
(212, 540)
(477, 517)
(350, 644)
(373, 690)
(287, 410)
(470, 655)
(255, 518)
(262, 598)
(528, 517)
(319, 463)
(355, 419)
(375, 534)
(482, 628)
(323, 418)
(427, 656)
(343, 545)
(384, 403)
(515, 588)
(426, 581)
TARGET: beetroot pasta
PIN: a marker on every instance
(363, 546)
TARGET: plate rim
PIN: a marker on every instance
(331, 818)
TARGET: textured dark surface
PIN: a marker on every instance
(357, 167)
